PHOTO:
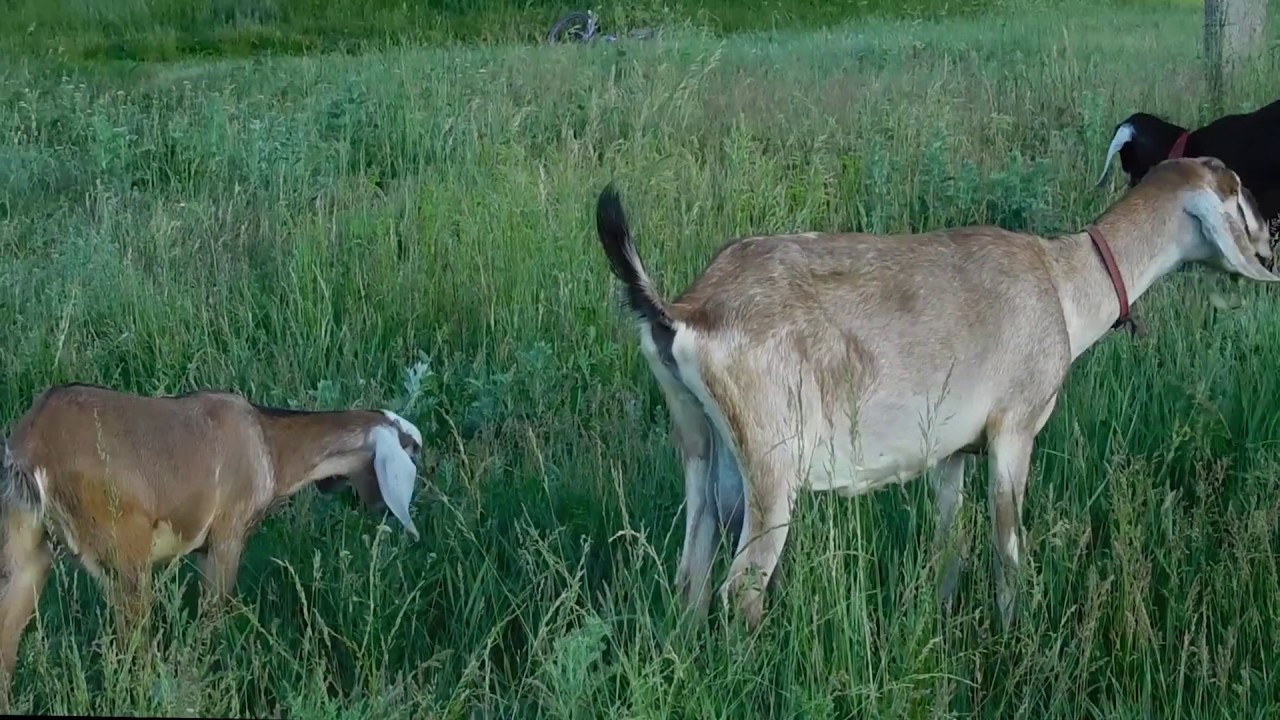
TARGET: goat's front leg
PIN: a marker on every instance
(219, 566)
(26, 569)
(129, 590)
(948, 488)
(1010, 463)
(126, 573)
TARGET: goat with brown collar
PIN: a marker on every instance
(125, 481)
(1248, 143)
(849, 362)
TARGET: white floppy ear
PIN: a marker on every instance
(1211, 213)
(396, 474)
(1254, 224)
(1124, 134)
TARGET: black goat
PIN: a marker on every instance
(1248, 143)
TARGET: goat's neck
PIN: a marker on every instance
(1144, 252)
(309, 446)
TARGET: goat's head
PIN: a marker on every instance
(1230, 232)
(386, 480)
(1143, 141)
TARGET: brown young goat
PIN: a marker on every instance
(848, 362)
(125, 481)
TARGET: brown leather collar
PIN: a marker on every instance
(1117, 281)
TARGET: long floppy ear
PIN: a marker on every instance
(1255, 226)
(1124, 134)
(1212, 214)
(396, 475)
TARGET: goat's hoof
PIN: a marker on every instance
(745, 592)
(1010, 613)
(683, 586)
(751, 605)
(948, 588)
(948, 605)
(694, 600)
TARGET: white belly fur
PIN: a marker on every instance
(897, 439)
(895, 443)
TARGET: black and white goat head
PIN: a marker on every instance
(1247, 143)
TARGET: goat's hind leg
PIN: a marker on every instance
(729, 493)
(26, 569)
(770, 496)
(701, 531)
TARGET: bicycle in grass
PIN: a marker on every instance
(583, 27)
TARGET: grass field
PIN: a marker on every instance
(414, 229)
(167, 29)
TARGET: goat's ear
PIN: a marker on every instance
(1124, 134)
(1213, 214)
(1255, 226)
(396, 475)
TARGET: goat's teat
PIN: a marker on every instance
(331, 484)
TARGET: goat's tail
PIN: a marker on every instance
(642, 298)
(19, 488)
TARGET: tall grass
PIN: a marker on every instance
(414, 229)
(141, 30)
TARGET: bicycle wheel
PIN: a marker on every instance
(570, 27)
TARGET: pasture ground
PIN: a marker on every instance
(168, 29)
(414, 229)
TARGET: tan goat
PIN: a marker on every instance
(848, 362)
(125, 481)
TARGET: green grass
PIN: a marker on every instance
(414, 229)
(143, 30)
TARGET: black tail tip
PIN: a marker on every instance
(609, 215)
(610, 193)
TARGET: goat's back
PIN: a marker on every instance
(911, 301)
(164, 458)
(783, 336)
(1249, 144)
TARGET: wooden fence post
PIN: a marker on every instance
(1234, 34)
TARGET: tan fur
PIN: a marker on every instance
(846, 362)
(126, 481)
